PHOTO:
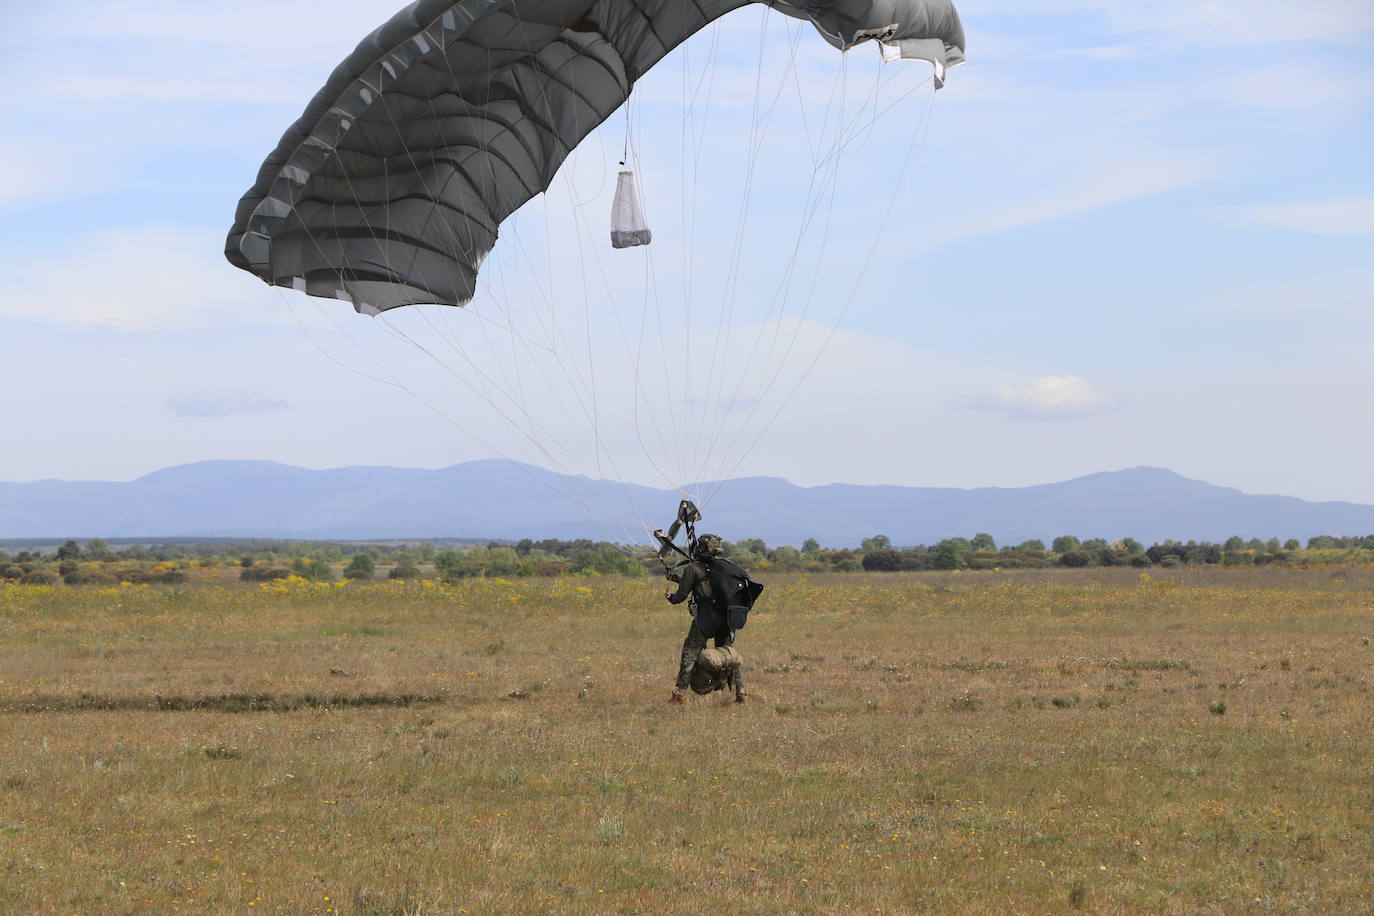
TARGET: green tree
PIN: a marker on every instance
(449, 563)
(951, 553)
(1132, 546)
(1065, 543)
(1292, 544)
(96, 549)
(1035, 544)
(811, 546)
(361, 566)
(877, 542)
(315, 569)
(983, 541)
(785, 558)
(1234, 544)
(502, 562)
(404, 570)
(69, 551)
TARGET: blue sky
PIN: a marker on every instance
(1133, 234)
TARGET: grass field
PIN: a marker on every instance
(1038, 742)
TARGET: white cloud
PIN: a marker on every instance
(1105, 52)
(28, 174)
(265, 27)
(1050, 397)
(1354, 216)
(1123, 181)
(1337, 296)
(1319, 90)
(1192, 23)
(1225, 21)
(137, 279)
(95, 93)
(223, 403)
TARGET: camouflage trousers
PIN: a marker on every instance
(691, 648)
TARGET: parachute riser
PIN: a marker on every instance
(687, 517)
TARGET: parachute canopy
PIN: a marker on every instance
(391, 187)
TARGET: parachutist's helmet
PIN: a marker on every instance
(709, 545)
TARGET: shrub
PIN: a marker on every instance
(1010, 558)
(90, 577)
(362, 566)
(316, 570)
(261, 574)
(38, 577)
(883, 560)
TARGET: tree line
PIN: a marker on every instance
(97, 562)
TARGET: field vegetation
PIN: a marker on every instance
(1106, 740)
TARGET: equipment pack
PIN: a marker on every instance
(734, 592)
(713, 669)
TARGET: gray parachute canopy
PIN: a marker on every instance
(391, 187)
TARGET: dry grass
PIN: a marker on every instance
(1035, 742)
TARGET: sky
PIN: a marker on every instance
(1121, 235)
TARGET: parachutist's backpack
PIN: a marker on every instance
(733, 591)
(713, 669)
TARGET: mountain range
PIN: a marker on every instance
(497, 499)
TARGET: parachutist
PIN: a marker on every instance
(721, 595)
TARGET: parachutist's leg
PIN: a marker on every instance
(736, 681)
(691, 648)
(736, 678)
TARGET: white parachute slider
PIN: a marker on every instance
(628, 226)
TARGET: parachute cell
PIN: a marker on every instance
(392, 186)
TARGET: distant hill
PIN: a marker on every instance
(502, 499)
